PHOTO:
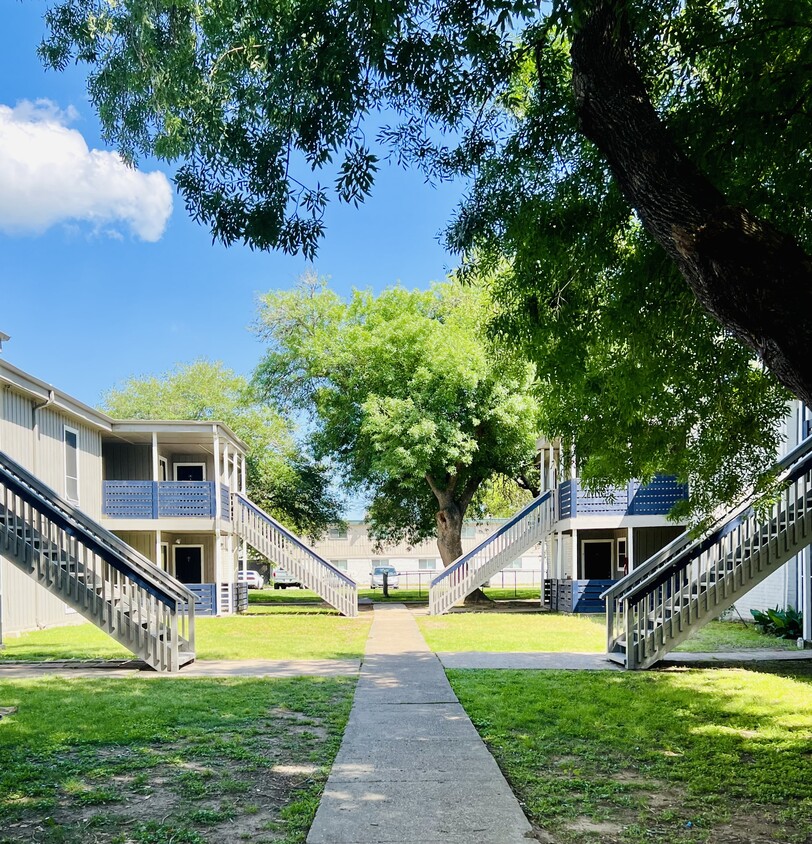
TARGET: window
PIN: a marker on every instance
(468, 531)
(380, 562)
(341, 565)
(516, 564)
(71, 465)
(427, 565)
(337, 532)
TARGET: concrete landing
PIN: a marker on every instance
(411, 767)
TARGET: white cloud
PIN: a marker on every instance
(48, 176)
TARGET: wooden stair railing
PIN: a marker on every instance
(93, 571)
(528, 527)
(693, 580)
(278, 545)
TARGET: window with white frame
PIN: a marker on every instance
(427, 564)
(71, 464)
(337, 532)
(516, 564)
(468, 531)
(341, 565)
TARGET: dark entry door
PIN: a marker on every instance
(598, 560)
(189, 564)
(189, 472)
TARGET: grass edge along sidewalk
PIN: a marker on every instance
(721, 755)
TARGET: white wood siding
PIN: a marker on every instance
(25, 604)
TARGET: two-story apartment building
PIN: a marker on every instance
(595, 539)
(164, 488)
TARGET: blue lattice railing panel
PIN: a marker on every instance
(129, 499)
(205, 597)
(186, 498)
(658, 497)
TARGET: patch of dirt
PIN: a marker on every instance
(586, 824)
(229, 796)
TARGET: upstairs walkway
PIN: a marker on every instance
(411, 766)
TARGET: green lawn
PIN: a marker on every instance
(159, 761)
(720, 755)
(265, 633)
(553, 632)
(305, 596)
(493, 631)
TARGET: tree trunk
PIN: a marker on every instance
(449, 542)
(449, 532)
(755, 280)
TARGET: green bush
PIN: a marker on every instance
(785, 624)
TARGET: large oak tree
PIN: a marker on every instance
(406, 399)
(634, 166)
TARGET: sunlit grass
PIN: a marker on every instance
(557, 633)
(516, 632)
(663, 755)
(266, 633)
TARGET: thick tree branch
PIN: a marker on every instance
(754, 279)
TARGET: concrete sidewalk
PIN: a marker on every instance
(275, 668)
(411, 767)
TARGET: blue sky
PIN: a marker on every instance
(88, 302)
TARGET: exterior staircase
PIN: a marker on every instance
(693, 580)
(278, 545)
(528, 527)
(94, 572)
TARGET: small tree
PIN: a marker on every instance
(406, 397)
(279, 475)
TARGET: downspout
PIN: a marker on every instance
(35, 429)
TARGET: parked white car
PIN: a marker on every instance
(282, 579)
(376, 577)
(253, 579)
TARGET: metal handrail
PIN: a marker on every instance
(110, 547)
(685, 548)
(461, 561)
(294, 539)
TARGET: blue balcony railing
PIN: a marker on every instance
(162, 499)
(635, 499)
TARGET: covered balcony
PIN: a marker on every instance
(164, 499)
(635, 499)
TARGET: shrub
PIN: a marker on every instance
(785, 624)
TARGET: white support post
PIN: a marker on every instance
(243, 488)
(158, 548)
(630, 547)
(574, 560)
(218, 551)
(806, 606)
(559, 556)
(232, 597)
(155, 468)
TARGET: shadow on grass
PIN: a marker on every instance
(676, 755)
